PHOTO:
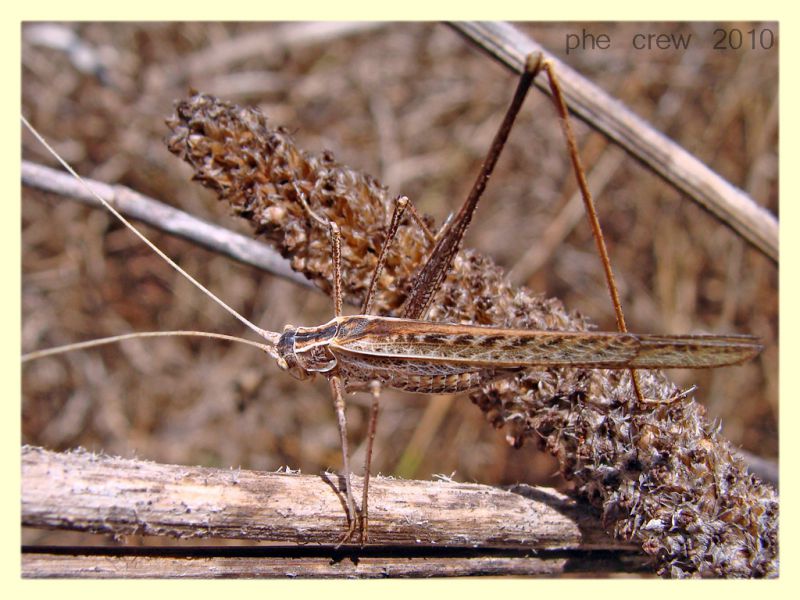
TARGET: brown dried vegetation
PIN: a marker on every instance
(418, 106)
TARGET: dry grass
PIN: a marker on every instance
(415, 106)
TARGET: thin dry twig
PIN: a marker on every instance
(164, 217)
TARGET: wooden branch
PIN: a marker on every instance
(675, 165)
(417, 528)
(101, 494)
(163, 217)
(226, 562)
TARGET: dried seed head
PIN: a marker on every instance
(664, 476)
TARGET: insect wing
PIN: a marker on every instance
(421, 341)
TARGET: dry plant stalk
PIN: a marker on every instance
(662, 477)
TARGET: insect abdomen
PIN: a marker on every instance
(417, 376)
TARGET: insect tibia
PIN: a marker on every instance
(694, 351)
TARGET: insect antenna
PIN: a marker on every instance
(143, 334)
(270, 336)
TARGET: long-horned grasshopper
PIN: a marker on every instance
(458, 239)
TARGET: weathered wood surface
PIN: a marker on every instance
(417, 528)
(288, 563)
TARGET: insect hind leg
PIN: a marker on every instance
(589, 206)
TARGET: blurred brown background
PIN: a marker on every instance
(416, 106)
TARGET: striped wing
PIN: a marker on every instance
(402, 340)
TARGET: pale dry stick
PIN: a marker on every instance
(442, 524)
(420, 356)
(171, 220)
